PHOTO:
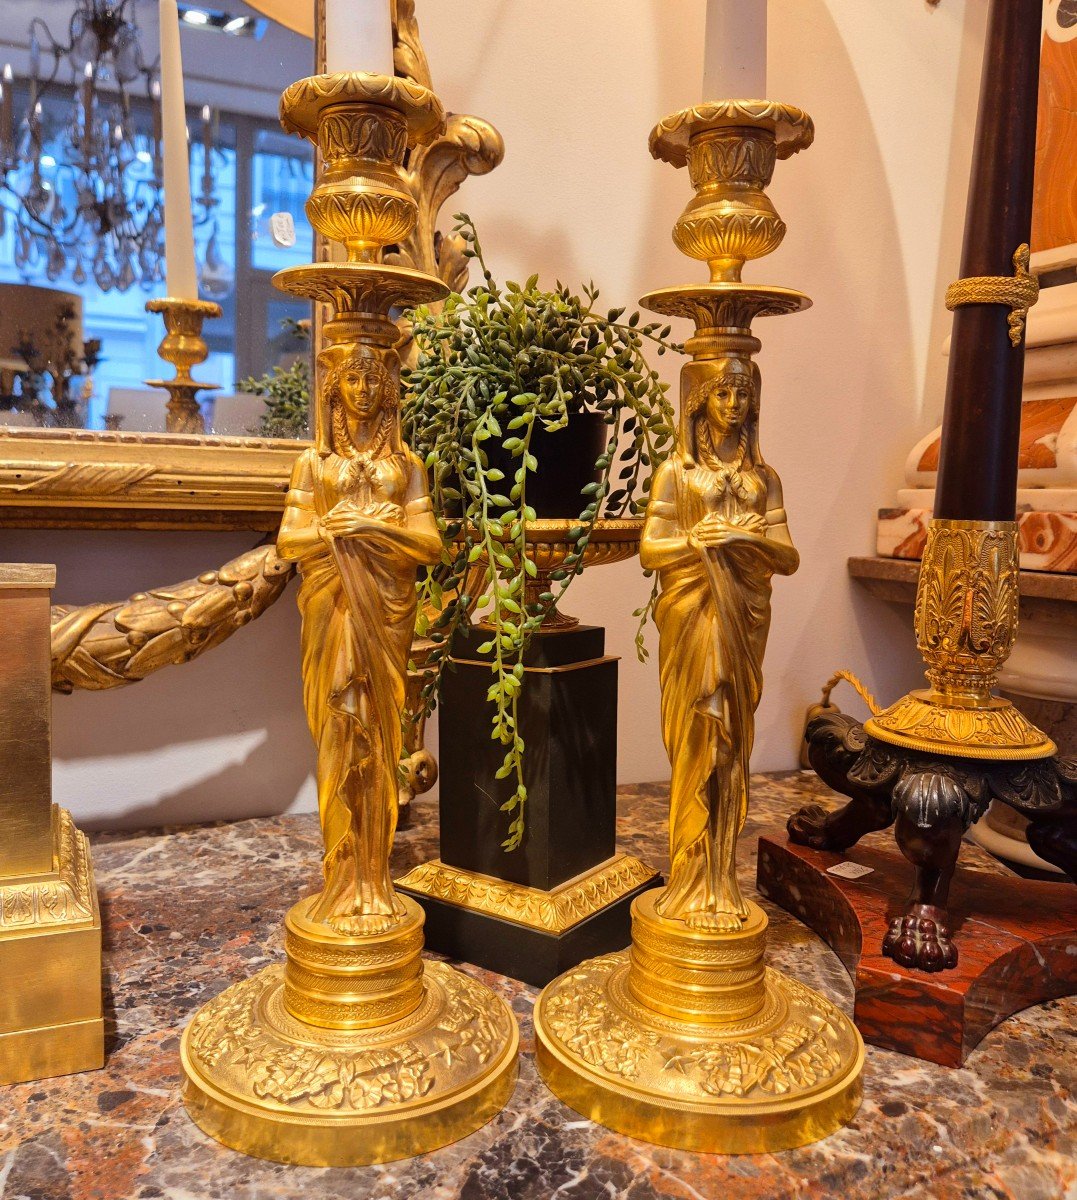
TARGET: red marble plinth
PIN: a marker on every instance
(1016, 943)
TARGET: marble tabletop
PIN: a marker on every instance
(189, 911)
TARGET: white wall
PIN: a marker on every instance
(874, 211)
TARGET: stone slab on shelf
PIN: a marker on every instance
(1016, 941)
(1048, 594)
(1047, 541)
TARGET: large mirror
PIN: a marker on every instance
(84, 441)
(82, 247)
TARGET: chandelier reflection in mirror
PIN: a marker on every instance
(81, 169)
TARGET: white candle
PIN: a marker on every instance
(735, 50)
(359, 36)
(181, 277)
(87, 110)
(7, 120)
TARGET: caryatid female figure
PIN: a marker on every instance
(716, 532)
(358, 521)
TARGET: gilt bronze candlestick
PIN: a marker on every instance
(184, 347)
(355, 1051)
(688, 1039)
(932, 762)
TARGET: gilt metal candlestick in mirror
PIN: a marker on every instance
(355, 1051)
(184, 347)
(688, 1039)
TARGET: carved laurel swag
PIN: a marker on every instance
(98, 646)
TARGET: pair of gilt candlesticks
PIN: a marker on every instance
(355, 1051)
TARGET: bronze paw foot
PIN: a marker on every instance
(921, 939)
(808, 827)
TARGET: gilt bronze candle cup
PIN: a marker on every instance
(184, 347)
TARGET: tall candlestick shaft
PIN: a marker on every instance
(182, 278)
(735, 50)
(982, 420)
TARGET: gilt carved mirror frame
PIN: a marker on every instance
(85, 479)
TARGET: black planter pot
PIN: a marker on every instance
(566, 464)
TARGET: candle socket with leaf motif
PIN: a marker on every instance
(687, 1039)
(355, 1051)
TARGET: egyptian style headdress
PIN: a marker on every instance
(696, 400)
(335, 363)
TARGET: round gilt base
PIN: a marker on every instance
(931, 723)
(264, 1083)
(781, 1072)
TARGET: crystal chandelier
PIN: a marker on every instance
(80, 173)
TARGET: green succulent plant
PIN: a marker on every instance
(286, 392)
(493, 366)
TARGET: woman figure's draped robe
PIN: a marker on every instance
(713, 616)
(357, 602)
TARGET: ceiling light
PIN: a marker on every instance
(215, 21)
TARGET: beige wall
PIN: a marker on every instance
(874, 213)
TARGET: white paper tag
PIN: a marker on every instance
(849, 870)
(282, 229)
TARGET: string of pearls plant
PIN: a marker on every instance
(494, 367)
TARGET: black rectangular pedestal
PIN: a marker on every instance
(562, 896)
(568, 719)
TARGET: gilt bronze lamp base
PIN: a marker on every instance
(932, 762)
(688, 1040)
(355, 1052)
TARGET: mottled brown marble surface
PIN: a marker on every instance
(189, 911)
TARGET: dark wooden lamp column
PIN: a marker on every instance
(933, 761)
